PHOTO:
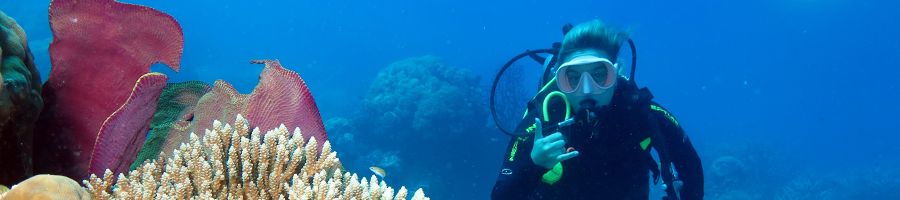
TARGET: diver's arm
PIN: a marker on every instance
(519, 176)
(684, 157)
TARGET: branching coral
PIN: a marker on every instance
(280, 97)
(232, 162)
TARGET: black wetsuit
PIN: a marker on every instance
(614, 160)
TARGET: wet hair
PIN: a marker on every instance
(592, 35)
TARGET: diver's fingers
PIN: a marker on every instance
(554, 137)
(556, 146)
(566, 156)
(538, 131)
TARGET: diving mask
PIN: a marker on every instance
(586, 75)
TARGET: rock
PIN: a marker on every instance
(47, 186)
(3, 189)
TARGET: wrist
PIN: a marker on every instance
(545, 165)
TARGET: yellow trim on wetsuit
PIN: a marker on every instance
(515, 148)
(645, 143)
(665, 113)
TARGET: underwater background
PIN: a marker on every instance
(783, 99)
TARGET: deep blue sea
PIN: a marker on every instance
(796, 99)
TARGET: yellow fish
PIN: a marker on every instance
(378, 171)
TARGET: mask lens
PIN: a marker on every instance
(602, 73)
(573, 77)
(599, 74)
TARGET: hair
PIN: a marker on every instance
(592, 35)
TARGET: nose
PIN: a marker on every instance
(586, 83)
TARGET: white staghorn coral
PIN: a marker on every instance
(235, 163)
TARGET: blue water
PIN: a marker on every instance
(798, 90)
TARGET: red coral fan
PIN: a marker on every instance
(120, 136)
(282, 97)
(99, 49)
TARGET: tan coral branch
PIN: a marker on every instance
(233, 162)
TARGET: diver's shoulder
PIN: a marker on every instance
(657, 109)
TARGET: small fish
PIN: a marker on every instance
(378, 171)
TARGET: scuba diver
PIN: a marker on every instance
(589, 131)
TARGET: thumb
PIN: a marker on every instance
(539, 130)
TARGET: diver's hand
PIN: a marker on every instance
(547, 151)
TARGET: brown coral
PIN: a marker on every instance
(231, 162)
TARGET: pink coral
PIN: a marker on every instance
(120, 139)
(282, 97)
(100, 48)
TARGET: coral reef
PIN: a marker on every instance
(726, 167)
(20, 102)
(430, 107)
(46, 187)
(384, 159)
(807, 186)
(280, 96)
(880, 182)
(341, 130)
(733, 171)
(220, 103)
(175, 107)
(234, 162)
(864, 183)
(123, 133)
(416, 95)
(99, 51)
(751, 171)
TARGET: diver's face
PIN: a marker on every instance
(587, 77)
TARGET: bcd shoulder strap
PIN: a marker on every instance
(663, 169)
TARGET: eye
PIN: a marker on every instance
(574, 77)
(599, 75)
